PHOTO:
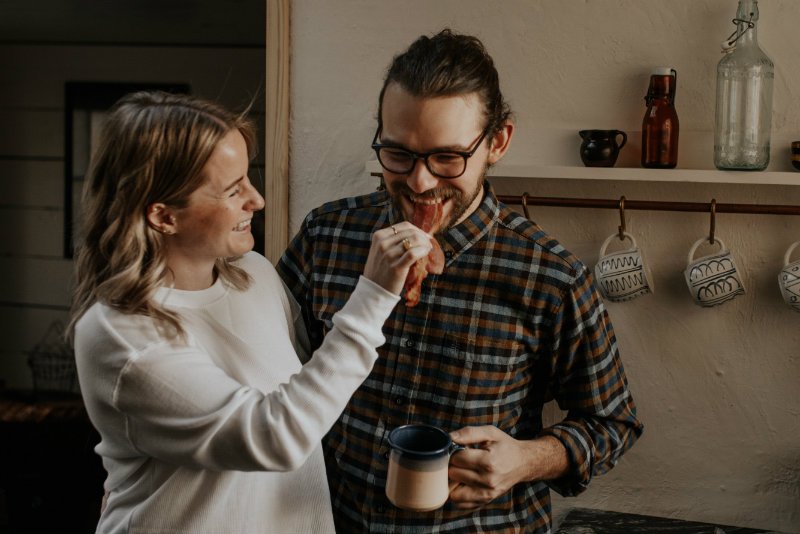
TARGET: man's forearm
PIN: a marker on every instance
(547, 459)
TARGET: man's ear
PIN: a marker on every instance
(161, 219)
(500, 142)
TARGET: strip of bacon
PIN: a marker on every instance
(427, 217)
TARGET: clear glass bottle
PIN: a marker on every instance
(660, 125)
(744, 97)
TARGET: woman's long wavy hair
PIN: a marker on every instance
(153, 149)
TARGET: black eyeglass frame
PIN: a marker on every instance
(425, 155)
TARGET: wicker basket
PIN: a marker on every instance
(52, 363)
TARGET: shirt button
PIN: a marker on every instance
(381, 509)
(410, 342)
(386, 454)
(399, 401)
(448, 254)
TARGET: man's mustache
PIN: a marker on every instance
(433, 194)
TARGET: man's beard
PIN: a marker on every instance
(459, 201)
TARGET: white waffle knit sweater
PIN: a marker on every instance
(220, 434)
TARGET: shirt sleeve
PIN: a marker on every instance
(590, 385)
(183, 409)
(296, 268)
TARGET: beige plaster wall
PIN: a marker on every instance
(718, 389)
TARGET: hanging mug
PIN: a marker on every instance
(789, 279)
(600, 147)
(622, 275)
(712, 279)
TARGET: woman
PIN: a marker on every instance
(186, 356)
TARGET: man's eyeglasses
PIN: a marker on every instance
(441, 163)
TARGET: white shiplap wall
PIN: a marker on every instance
(35, 279)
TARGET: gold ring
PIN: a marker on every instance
(406, 244)
(394, 230)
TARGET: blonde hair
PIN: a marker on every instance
(154, 147)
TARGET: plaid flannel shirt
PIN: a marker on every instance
(512, 323)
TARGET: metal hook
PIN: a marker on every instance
(622, 218)
(525, 205)
(713, 221)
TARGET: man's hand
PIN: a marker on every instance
(494, 462)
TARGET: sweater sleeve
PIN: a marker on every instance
(181, 408)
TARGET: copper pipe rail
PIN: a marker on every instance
(705, 207)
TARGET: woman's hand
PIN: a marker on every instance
(394, 250)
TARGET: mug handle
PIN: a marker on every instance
(789, 252)
(624, 138)
(698, 243)
(454, 448)
(611, 237)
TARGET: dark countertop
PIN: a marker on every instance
(586, 521)
(29, 407)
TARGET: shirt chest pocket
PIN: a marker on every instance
(490, 378)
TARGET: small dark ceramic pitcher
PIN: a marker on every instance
(796, 154)
(600, 148)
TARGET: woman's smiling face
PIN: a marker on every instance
(216, 221)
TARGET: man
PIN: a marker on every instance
(512, 322)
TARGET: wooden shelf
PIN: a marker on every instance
(502, 170)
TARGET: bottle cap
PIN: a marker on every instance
(661, 71)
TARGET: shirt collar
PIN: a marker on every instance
(462, 236)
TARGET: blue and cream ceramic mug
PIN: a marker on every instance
(419, 460)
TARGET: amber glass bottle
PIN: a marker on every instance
(660, 124)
